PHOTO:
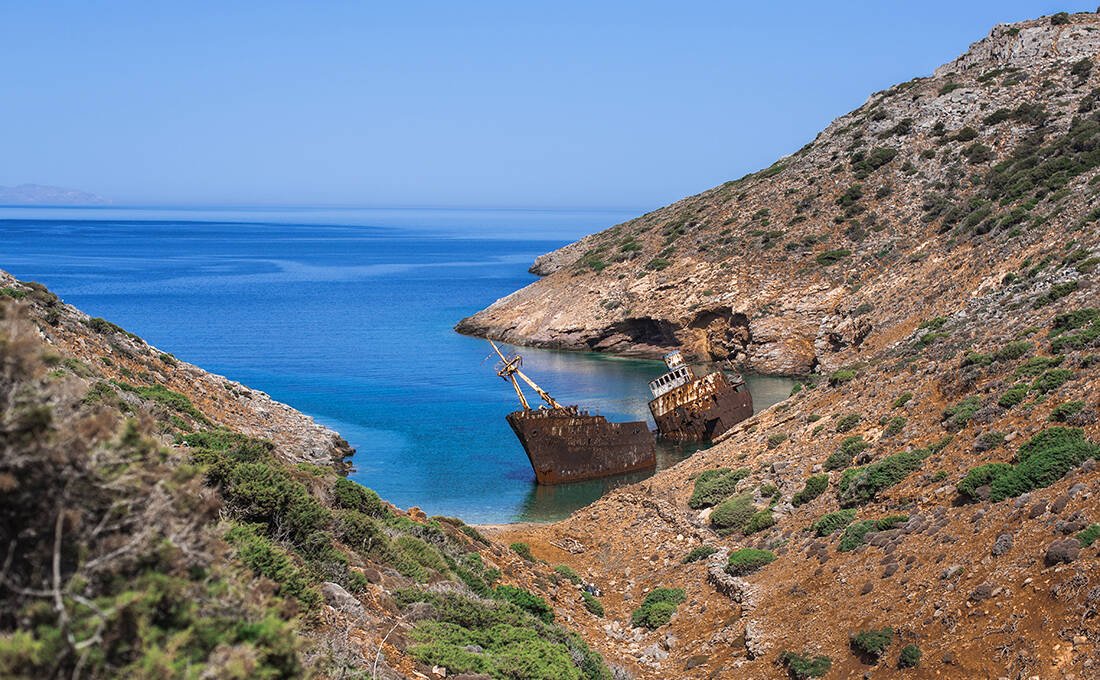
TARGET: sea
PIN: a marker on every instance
(347, 314)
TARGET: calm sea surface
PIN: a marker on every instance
(347, 315)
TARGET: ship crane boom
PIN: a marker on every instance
(509, 369)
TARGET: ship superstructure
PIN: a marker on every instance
(687, 408)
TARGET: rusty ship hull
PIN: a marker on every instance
(702, 409)
(566, 445)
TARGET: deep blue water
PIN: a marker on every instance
(347, 316)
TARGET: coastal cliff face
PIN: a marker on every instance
(929, 194)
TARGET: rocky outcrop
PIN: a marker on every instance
(551, 262)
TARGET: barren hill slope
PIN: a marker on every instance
(932, 192)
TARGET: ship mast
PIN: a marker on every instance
(509, 369)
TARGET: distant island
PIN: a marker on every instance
(40, 194)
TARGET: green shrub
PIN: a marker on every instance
(848, 422)
(759, 522)
(890, 521)
(567, 572)
(699, 552)
(1043, 460)
(936, 447)
(733, 513)
(1073, 320)
(874, 642)
(776, 439)
(991, 440)
(1084, 338)
(263, 557)
(903, 399)
(452, 657)
(831, 522)
(421, 553)
(854, 533)
(846, 453)
(955, 417)
(1013, 350)
(981, 476)
(804, 666)
(815, 486)
(748, 560)
(897, 424)
(1057, 291)
(1059, 19)
(593, 605)
(162, 395)
(976, 359)
(864, 486)
(929, 338)
(528, 602)
(769, 490)
(523, 550)
(347, 494)
(841, 376)
(103, 327)
(657, 608)
(851, 195)
(474, 534)
(910, 657)
(712, 486)
(864, 164)
(1013, 395)
(1037, 365)
(831, 257)
(1088, 536)
(1063, 412)
(1052, 380)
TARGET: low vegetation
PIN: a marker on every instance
(805, 666)
(1041, 461)
(657, 608)
(874, 642)
(748, 560)
(815, 486)
(713, 486)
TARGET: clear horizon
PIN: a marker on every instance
(620, 106)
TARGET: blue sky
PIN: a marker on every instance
(511, 104)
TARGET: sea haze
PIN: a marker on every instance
(346, 315)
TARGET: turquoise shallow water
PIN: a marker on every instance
(347, 316)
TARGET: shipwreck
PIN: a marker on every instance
(687, 408)
(567, 443)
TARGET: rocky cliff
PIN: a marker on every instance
(931, 193)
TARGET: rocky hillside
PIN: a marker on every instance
(931, 193)
(927, 502)
(163, 522)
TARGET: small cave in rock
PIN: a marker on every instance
(637, 335)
